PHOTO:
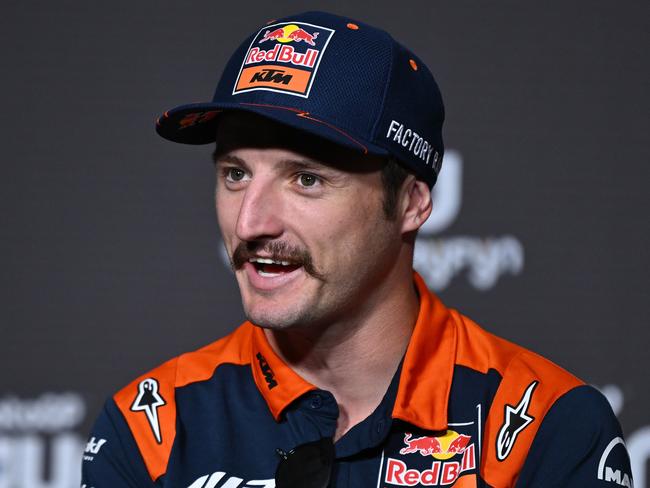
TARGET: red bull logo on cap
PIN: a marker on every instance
(283, 58)
(290, 33)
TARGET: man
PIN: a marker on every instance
(349, 372)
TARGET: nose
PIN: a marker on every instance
(260, 213)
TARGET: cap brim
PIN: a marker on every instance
(197, 124)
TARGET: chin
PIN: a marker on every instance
(275, 318)
(279, 311)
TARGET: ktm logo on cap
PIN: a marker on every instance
(283, 58)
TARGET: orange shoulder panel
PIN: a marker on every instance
(199, 365)
(149, 403)
(530, 386)
(149, 407)
(479, 350)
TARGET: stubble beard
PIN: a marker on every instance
(281, 320)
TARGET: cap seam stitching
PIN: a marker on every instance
(386, 87)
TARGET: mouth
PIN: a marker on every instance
(271, 268)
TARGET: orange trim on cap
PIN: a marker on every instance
(428, 368)
(306, 115)
(277, 382)
(552, 382)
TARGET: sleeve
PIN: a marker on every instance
(579, 443)
(111, 458)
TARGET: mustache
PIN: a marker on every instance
(276, 250)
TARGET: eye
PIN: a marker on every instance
(234, 174)
(307, 179)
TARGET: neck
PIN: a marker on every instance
(355, 358)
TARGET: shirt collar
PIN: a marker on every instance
(277, 382)
(425, 378)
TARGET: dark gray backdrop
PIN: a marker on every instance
(109, 247)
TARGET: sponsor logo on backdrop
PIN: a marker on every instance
(515, 420)
(439, 259)
(283, 58)
(40, 446)
(220, 479)
(148, 400)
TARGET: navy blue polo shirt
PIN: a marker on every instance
(464, 409)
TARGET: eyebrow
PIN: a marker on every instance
(286, 164)
(304, 164)
(226, 158)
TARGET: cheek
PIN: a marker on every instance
(349, 232)
(227, 211)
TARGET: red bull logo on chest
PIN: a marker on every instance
(283, 58)
(444, 460)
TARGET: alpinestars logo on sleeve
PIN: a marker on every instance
(148, 401)
(516, 419)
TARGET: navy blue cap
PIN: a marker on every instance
(334, 77)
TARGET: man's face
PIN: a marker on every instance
(302, 222)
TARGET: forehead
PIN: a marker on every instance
(244, 130)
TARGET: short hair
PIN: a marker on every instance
(393, 175)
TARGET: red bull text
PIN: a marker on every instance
(447, 464)
(286, 61)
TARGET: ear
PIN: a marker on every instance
(416, 204)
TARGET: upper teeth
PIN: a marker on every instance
(268, 261)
